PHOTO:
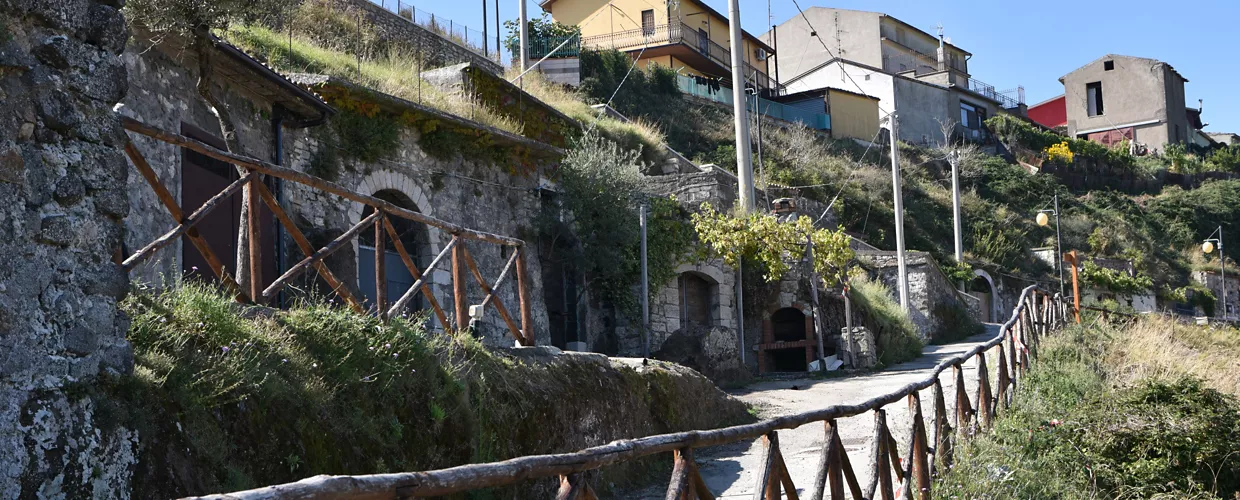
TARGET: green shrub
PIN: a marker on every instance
(895, 335)
(955, 324)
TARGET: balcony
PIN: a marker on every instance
(694, 48)
(988, 91)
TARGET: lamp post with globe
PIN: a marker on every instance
(1207, 247)
(1043, 219)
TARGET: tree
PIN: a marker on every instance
(195, 20)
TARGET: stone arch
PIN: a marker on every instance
(402, 191)
(989, 297)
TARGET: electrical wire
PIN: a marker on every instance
(830, 54)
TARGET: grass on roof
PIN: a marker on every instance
(396, 73)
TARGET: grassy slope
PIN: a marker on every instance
(1114, 412)
(227, 398)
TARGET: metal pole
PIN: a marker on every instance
(525, 33)
(744, 162)
(485, 52)
(757, 111)
(954, 159)
(902, 268)
(1058, 245)
(1222, 270)
(813, 285)
(848, 326)
(499, 52)
(641, 219)
(740, 308)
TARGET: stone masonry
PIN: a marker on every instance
(62, 176)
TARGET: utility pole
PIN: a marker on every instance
(485, 50)
(525, 33)
(902, 268)
(641, 219)
(744, 161)
(813, 284)
(954, 159)
(499, 51)
(1059, 244)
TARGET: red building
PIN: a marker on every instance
(1050, 113)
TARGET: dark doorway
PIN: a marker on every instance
(788, 325)
(202, 178)
(561, 282)
(696, 300)
(980, 288)
(788, 360)
(397, 278)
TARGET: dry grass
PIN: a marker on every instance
(395, 73)
(1162, 348)
(573, 104)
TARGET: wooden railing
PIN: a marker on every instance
(1035, 315)
(379, 221)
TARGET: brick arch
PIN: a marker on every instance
(711, 272)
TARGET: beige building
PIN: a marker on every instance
(685, 35)
(853, 115)
(1116, 98)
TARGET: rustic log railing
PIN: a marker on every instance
(1036, 314)
(379, 221)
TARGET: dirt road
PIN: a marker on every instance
(730, 470)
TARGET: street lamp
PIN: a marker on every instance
(1043, 219)
(1207, 247)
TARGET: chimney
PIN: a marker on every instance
(942, 52)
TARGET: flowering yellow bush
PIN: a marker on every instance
(1060, 153)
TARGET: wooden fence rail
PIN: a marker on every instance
(1036, 314)
(378, 221)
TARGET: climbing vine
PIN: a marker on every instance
(772, 242)
(1115, 281)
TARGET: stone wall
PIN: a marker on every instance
(928, 289)
(62, 176)
(437, 49)
(1089, 175)
(474, 193)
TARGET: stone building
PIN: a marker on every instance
(287, 121)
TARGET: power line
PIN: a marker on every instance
(814, 33)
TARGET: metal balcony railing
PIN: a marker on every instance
(671, 34)
(987, 90)
(541, 46)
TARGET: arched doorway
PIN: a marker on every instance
(980, 287)
(397, 278)
(789, 325)
(697, 300)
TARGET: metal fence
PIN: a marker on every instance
(771, 109)
(454, 30)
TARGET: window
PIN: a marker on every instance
(647, 22)
(1108, 65)
(1093, 98)
(971, 116)
(696, 301)
(703, 41)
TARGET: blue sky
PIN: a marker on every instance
(1030, 43)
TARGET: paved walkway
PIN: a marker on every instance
(730, 470)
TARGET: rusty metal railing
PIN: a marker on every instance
(1035, 315)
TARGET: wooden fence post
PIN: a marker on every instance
(918, 453)
(254, 245)
(380, 269)
(523, 294)
(984, 402)
(964, 409)
(459, 292)
(942, 430)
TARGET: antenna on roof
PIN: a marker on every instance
(940, 35)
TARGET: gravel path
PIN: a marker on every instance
(730, 470)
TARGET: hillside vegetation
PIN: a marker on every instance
(1146, 410)
(228, 397)
(1161, 232)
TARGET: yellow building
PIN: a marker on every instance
(685, 35)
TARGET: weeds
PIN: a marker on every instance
(895, 334)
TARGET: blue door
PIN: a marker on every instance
(398, 278)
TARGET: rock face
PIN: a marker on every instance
(62, 176)
(710, 351)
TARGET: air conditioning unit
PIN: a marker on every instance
(761, 54)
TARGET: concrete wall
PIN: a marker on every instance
(929, 289)
(1212, 281)
(907, 45)
(858, 40)
(62, 176)
(922, 109)
(1136, 91)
